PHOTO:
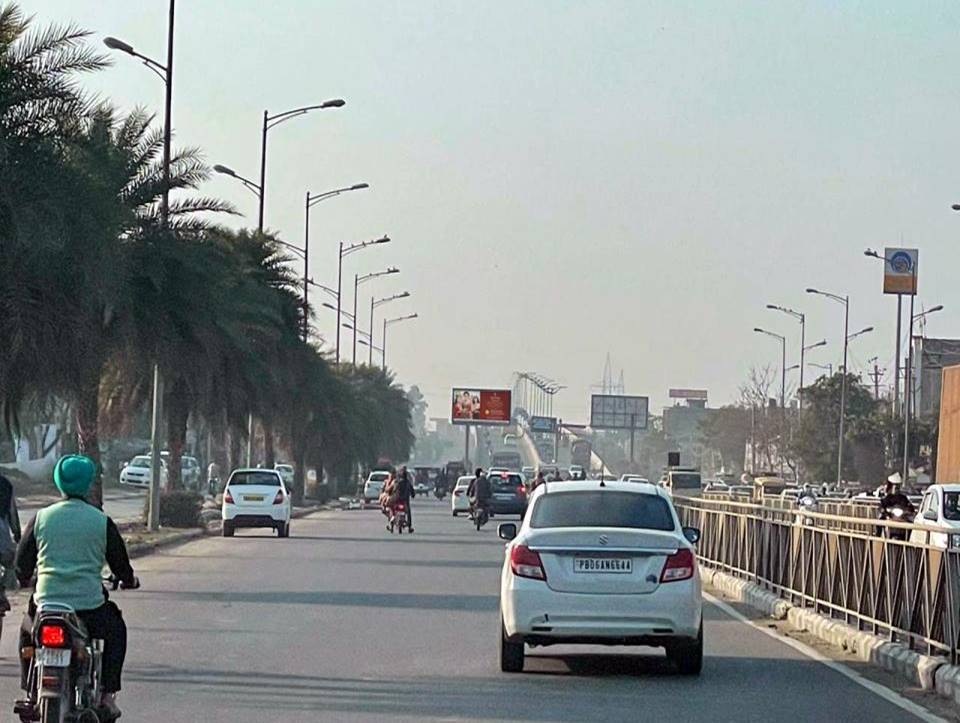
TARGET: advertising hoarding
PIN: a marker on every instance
(480, 406)
(900, 271)
(616, 411)
(547, 425)
(688, 394)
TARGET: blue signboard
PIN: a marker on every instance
(547, 425)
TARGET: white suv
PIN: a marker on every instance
(256, 498)
(601, 563)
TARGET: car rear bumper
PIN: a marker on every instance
(540, 616)
(504, 507)
(461, 504)
(242, 516)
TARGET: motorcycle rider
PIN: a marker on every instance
(894, 497)
(537, 481)
(10, 516)
(479, 491)
(67, 543)
(406, 492)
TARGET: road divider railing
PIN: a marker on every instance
(839, 567)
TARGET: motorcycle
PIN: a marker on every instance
(398, 518)
(480, 517)
(213, 486)
(63, 679)
(807, 503)
(896, 513)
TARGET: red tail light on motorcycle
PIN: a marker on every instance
(524, 562)
(227, 497)
(53, 636)
(278, 500)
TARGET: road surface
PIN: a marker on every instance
(343, 622)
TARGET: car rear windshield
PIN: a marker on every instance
(601, 508)
(378, 477)
(505, 483)
(681, 481)
(255, 478)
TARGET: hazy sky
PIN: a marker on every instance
(564, 179)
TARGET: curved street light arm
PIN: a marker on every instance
(347, 250)
(313, 199)
(278, 118)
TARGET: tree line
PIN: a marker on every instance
(94, 290)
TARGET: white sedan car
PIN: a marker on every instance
(601, 563)
(256, 498)
(373, 487)
(940, 508)
(136, 472)
(459, 502)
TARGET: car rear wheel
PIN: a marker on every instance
(227, 529)
(688, 656)
(283, 530)
(454, 513)
(511, 653)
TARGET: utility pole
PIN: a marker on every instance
(876, 374)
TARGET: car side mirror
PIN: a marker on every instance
(692, 534)
(930, 515)
(507, 531)
(124, 465)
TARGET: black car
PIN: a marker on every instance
(509, 494)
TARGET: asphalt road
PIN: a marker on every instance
(343, 622)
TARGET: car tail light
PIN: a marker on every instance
(278, 500)
(522, 491)
(53, 636)
(679, 566)
(524, 562)
(227, 497)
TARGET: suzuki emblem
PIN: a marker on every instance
(604, 540)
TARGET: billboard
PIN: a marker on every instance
(688, 394)
(900, 271)
(480, 406)
(547, 425)
(615, 411)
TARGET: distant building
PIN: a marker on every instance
(682, 424)
(930, 356)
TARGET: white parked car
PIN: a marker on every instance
(373, 487)
(459, 502)
(940, 508)
(286, 473)
(136, 472)
(256, 498)
(604, 564)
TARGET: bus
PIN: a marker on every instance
(507, 460)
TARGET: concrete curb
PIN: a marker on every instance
(142, 549)
(927, 672)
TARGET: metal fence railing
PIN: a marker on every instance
(838, 566)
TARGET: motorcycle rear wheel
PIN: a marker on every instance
(52, 710)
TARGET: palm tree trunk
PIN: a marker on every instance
(178, 411)
(88, 430)
(269, 454)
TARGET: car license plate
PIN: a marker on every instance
(606, 565)
(53, 657)
(253, 498)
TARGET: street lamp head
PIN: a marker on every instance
(384, 240)
(358, 186)
(773, 306)
(225, 170)
(335, 103)
(871, 252)
(938, 307)
(393, 270)
(404, 295)
(866, 330)
(822, 342)
(115, 44)
(329, 305)
(759, 330)
(812, 291)
(956, 207)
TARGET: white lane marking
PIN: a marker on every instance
(888, 695)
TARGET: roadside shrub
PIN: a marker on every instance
(180, 508)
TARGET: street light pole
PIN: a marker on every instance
(845, 300)
(783, 389)
(166, 74)
(374, 305)
(346, 251)
(389, 322)
(803, 333)
(311, 201)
